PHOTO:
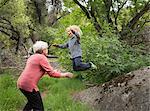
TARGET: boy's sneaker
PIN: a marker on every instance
(93, 66)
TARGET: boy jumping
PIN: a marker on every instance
(74, 46)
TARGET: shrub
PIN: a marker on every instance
(111, 56)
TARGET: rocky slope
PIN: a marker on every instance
(130, 92)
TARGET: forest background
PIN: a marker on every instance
(115, 33)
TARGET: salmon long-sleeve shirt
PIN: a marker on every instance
(37, 65)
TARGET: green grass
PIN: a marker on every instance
(57, 94)
(10, 97)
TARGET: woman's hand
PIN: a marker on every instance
(67, 74)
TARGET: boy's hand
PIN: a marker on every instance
(55, 45)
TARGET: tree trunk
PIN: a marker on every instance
(40, 9)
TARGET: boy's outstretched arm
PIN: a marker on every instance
(63, 46)
(55, 45)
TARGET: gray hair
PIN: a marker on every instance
(39, 46)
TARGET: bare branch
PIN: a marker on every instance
(7, 28)
(83, 9)
(140, 27)
(90, 15)
(119, 8)
(5, 23)
(135, 19)
(3, 18)
(4, 3)
(15, 35)
(5, 32)
(62, 16)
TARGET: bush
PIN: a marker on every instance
(10, 97)
(111, 56)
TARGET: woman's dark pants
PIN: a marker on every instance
(34, 101)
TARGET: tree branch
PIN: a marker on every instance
(7, 28)
(15, 35)
(118, 11)
(2, 22)
(90, 15)
(4, 3)
(62, 16)
(126, 30)
(96, 24)
(108, 4)
(140, 27)
(83, 9)
(38, 11)
(135, 19)
(5, 32)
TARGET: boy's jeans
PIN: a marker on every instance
(78, 65)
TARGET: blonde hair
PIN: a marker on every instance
(39, 46)
(74, 28)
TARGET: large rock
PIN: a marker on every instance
(130, 92)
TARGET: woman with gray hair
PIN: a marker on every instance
(37, 65)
